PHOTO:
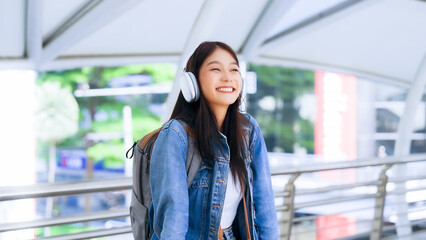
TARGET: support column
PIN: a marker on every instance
(288, 214)
(402, 148)
(202, 30)
(377, 224)
(128, 141)
(17, 146)
(243, 71)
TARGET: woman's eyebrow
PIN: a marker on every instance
(217, 62)
(213, 62)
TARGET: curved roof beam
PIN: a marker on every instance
(17, 63)
(91, 18)
(272, 12)
(345, 70)
(202, 30)
(403, 145)
(110, 60)
(322, 19)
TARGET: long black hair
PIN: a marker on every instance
(203, 123)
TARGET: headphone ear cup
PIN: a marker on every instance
(189, 87)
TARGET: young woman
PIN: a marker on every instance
(231, 196)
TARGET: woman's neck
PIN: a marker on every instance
(220, 114)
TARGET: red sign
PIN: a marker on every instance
(335, 139)
(335, 226)
(335, 127)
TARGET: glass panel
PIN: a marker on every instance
(284, 106)
(418, 146)
(386, 120)
(384, 147)
(96, 149)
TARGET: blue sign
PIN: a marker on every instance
(73, 159)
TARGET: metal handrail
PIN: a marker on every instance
(64, 188)
(313, 217)
(329, 188)
(89, 234)
(326, 201)
(334, 200)
(407, 190)
(350, 186)
(336, 187)
(118, 184)
(408, 178)
(351, 164)
(289, 206)
(84, 217)
(89, 186)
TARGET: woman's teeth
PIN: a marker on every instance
(225, 89)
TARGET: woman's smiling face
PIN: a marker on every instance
(220, 79)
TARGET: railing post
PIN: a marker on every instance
(288, 213)
(377, 224)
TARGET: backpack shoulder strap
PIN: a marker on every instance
(193, 161)
(148, 140)
(193, 157)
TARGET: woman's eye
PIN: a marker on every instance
(215, 69)
(235, 70)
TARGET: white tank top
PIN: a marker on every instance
(233, 197)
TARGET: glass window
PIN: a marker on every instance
(284, 106)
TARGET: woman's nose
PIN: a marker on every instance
(226, 77)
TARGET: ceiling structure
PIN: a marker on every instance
(377, 40)
(374, 39)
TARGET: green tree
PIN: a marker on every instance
(56, 118)
(110, 151)
(283, 85)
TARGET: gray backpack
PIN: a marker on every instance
(141, 189)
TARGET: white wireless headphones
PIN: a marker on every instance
(189, 87)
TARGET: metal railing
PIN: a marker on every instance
(288, 219)
(290, 206)
(69, 188)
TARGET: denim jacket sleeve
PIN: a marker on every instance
(168, 182)
(263, 196)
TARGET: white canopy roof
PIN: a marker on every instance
(375, 39)
(382, 40)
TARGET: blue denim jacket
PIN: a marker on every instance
(179, 212)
